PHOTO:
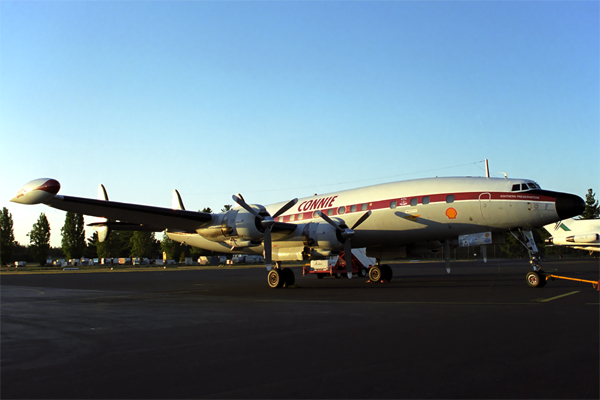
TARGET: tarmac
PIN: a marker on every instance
(479, 332)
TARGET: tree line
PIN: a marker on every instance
(145, 244)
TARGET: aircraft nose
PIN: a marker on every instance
(569, 205)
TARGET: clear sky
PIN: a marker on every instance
(283, 99)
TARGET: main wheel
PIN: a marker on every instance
(375, 273)
(535, 279)
(362, 271)
(288, 277)
(275, 278)
(386, 272)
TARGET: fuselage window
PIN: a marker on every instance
(341, 210)
(393, 204)
(330, 211)
(363, 207)
(292, 217)
(516, 188)
(450, 198)
(280, 219)
(425, 200)
(352, 208)
(300, 216)
(316, 214)
(414, 202)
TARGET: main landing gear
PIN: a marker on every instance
(380, 273)
(280, 277)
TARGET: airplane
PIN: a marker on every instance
(581, 234)
(389, 220)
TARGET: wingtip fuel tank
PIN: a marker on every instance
(37, 191)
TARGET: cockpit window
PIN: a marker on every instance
(516, 187)
(524, 186)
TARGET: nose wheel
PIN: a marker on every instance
(536, 279)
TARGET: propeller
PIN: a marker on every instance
(266, 221)
(346, 234)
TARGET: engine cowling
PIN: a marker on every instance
(324, 236)
(236, 224)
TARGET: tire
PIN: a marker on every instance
(362, 272)
(535, 280)
(375, 273)
(386, 272)
(288, 277)
(275, 279)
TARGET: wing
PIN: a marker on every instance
(151, 218)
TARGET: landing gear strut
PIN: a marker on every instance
(537, 277)
(280, 277)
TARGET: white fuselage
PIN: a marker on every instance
(404, 213)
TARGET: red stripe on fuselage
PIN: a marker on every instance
(326, 203)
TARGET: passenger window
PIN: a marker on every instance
(330, 211)
(341, 210)
(316, 214)
(353, 209)
(425, 200)
(393, 204)
(516, 188)
(280, 219)
(300, 216)
(292, 217)
(450, 198)
(414, 202)
(363, 207)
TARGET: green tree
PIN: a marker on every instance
(7, 237)
(592, 210)
(91, 247)
(206, 210)
(142, 244)
(226, 208)
(73, 235)
(39, 240)
(172, 248)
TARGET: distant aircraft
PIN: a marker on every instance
(389, 220)
(581, 234)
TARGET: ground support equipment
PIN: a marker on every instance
(336, 266)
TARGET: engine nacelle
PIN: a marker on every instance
(236, 224)
(324, 236)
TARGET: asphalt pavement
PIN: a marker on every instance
(478, 332)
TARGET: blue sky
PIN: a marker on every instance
(282, 99)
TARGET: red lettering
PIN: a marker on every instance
(300, 206)
(330, 203)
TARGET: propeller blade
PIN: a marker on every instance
(268, 249)
(329, 220)
(240, 200)
(361, 219)
(286, 207)
(348, 257)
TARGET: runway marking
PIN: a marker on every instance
(557, 297)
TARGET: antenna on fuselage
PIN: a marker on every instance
(487, 169)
